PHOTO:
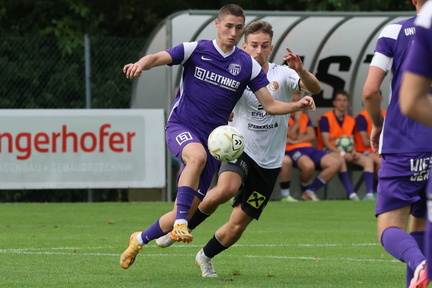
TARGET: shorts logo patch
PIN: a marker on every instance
(183, 137)
(256, 200)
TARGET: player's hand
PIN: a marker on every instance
(293, 60)
(132, 70)
(306, 103)
(374, 138)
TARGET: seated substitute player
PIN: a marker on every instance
(302, 155)
(336, 123)
(250, 179)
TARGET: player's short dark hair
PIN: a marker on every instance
(259, 26)
(341, 92)
(231, 9)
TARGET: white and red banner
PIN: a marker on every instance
(82, 148)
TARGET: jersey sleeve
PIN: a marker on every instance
(420, 57)
(258, 77)
(324, 124)
(181, 52)
(361, 124)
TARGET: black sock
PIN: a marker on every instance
(213, 247)
(285, 185)
(197, 218)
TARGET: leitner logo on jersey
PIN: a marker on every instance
(88, 148)
(216, 79)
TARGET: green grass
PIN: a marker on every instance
(305, 244)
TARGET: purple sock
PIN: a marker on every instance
(368, 177)
(317, 184)
(185, 196)
(344, 178)
(304, 187)
(419, 237)
(153, 232)
(402, 246)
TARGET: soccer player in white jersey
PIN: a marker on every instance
(215, 74)
(416, 98)
(250, 179)
(405, 148)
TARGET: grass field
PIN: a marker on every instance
(305, 244)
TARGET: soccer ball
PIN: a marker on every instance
(344, 143)
(225, 143)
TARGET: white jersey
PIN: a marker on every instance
(264, 134)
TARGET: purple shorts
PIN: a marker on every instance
(313, 153)
(177, 137)
(402, 182)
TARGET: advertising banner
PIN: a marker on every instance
(88, 148)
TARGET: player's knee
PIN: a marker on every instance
(197, 160)
(237, 230)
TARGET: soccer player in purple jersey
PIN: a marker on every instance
(416, 97)
(215, 74)
(250, 179)
(405, 148)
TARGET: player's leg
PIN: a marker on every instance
(195, 158)
(401, 193)
(229, 182)
(328, 164)
(224, 237)
(417, 231)
(377, 165)
(368, 173)
(248, 204)
(285, 177)
(397, 242)
(307, 170)
(344, 177)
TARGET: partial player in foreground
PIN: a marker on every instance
(193, 117)
(251, 178)
(416, 102)
(405, 148)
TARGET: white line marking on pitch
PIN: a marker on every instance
(53, 251)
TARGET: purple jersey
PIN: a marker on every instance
(212, 82)
(394, 42)
(420, 56)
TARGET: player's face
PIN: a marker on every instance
(341, 103)
(259, 46)
(230, 29)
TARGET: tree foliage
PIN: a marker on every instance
(137, 18)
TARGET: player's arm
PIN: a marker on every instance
(326, 142)
(294, 129)
(365, 138)
(275, 107)
(308, 82)
(133, 70)
(415, 98)
(372, 97)
(360, 127)
(310, 135)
